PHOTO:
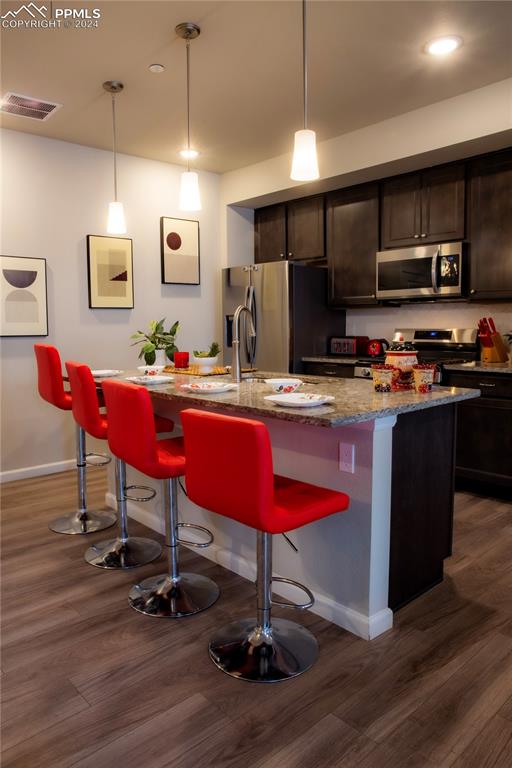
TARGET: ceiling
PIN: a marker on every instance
(366, 64)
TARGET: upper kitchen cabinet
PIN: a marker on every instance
(352, 222)
(270, 233)
(490, 226)
(293, 230)
(305, 229)
(425, 207)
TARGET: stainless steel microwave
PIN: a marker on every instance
(426, 271)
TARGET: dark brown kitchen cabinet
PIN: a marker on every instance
(490, 226)
(484, 429)
(293, 230)
(352, 237)
(270, 233)
(425, 207)
(305, 229)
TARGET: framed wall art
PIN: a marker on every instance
(179, 248)
(110, 272)
(23, 297)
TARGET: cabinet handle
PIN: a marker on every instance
(290, 254)
(484, 384)
(416, 237)
(365, 296)
(330, 373)
(472, 291)
(423, 234)
(281, 255)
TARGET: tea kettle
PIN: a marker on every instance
(376, 347)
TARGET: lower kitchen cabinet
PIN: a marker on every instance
(484, 429)
(341, 370)
(352, 229)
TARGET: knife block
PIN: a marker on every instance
(497, 353)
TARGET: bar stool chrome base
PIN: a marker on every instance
(164, 597)
(83, 522)
(119, 554)
(248, 652)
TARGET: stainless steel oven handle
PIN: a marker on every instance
(433, 273)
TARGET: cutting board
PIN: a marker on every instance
(194, 370)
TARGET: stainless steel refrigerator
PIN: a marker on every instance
(288, 303)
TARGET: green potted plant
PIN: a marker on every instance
(158, 344)
(206, 359)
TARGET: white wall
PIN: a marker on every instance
(53, 194)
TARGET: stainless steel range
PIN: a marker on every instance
(441, 346)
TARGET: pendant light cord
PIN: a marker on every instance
(114, 144)
(188, 105)
(304, 64)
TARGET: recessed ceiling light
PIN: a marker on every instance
(189, 154)
(156, 68)
(441, 46)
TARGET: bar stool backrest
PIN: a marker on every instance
(49, 377)
(86, 409)
(131, 426)
(229, 466)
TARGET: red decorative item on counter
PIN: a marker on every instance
(377, 347)
(402, 356)
(181, 359)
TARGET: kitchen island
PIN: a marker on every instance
(390, 544)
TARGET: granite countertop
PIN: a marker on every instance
(479, 367)
(355, 400)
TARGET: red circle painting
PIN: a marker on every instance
(173, 241)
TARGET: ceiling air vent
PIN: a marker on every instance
(27, 106)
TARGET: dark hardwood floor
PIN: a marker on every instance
(88, 682)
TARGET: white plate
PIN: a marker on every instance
(209, 387)
(300, 399)
(104, 373)
(150, 379)
(155, 368)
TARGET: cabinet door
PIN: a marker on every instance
(352, 221)
(270, 233)
(484, 440)
(329, 369)
(490, 227)
(401, 211)
(305, 229)
(442, 204)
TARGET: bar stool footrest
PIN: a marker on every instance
(198, 544)
(151, 495)
(299, 606)
(104, 459)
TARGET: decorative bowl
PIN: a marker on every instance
(205, 364)
(284, 386)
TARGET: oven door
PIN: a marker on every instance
(433, 271)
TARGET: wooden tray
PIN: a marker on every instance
(194, 370)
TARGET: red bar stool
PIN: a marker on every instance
(51, 388)
(132, 437)
(229, 471)
(124, 551)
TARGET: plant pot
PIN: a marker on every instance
(205, 364)
(161, 357)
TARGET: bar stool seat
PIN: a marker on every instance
(51, 388)
(132, 437)
(124, 551)
(230, 472)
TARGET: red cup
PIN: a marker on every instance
(181, 359)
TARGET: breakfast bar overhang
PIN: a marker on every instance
(389, 546)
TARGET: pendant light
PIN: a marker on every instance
(190, 199)
(116, 224)
(305, 161)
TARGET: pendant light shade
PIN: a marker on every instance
(116, 224)
(305, 160)
(190, 199)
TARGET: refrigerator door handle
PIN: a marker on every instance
(250, 341)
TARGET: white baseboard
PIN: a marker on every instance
(40, 469)
(363, 626)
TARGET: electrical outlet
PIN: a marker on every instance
(347, 457)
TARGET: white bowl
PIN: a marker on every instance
(206, 364)
(284, 386)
